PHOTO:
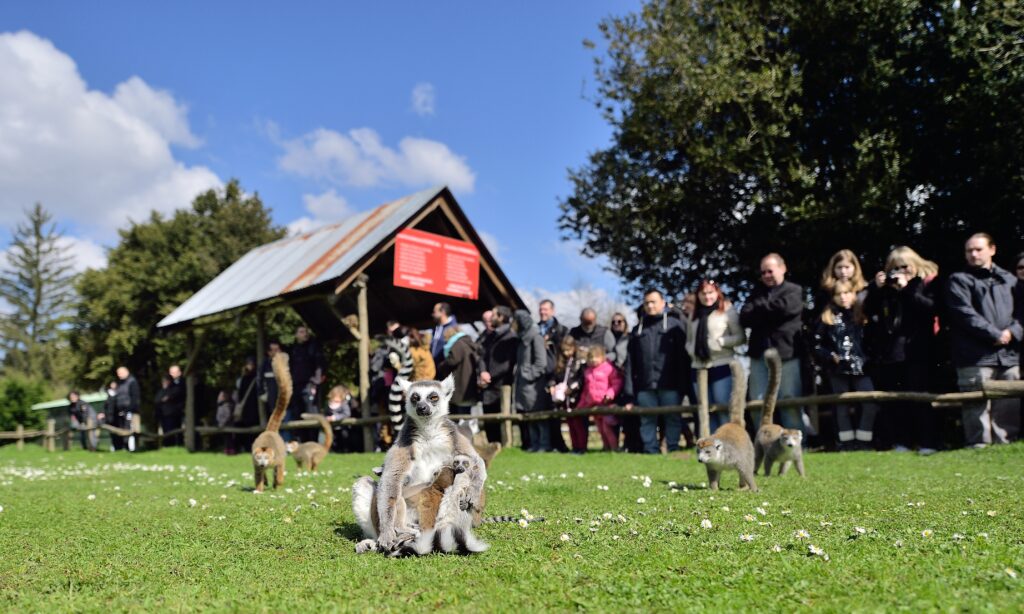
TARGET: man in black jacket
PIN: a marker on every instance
(266, 384)
(308, 366)
(497, 366)
(985, 332)
(172, 405)
(655, 369)
(126, 404)
(772, 313)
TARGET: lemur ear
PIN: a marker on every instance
(448, 387)
(404, 384)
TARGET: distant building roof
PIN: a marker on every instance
(323, 262)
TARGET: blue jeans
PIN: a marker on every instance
(649, 424)
(791, 387)
(719, 390)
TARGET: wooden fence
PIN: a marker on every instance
(991, 390)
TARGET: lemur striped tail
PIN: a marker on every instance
(496, 519)
(398, 352)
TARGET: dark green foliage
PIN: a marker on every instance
(17, 395)
(155, 267)
(802, 127)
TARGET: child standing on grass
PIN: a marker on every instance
(564, 387)
(601, 384)
(839, 345)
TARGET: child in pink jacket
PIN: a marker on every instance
(601, 384)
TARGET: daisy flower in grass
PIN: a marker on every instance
(749, 518)
(801, 534)
(523, 523)
(927, 533)
(746, 537)
(705, 524)
(776, 548)
(565, 537)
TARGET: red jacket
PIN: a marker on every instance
(599, 383)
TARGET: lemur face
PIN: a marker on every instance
(709, 450)
(263, 457)
(427, 399)
(792, 438)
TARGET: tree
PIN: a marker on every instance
(741, 128)
(17, 395)
(155, 267)
(38, 287)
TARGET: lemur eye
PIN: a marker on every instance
(434, 398)
(415, 398)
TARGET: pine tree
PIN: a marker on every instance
(37, 286)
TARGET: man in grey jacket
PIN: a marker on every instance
(531, 379)
(984, 334)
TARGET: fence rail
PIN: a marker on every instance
(991, 390)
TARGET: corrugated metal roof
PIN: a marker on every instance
(295, 263)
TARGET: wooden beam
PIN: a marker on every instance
(704, 413)
(195, 342)
(364, 359)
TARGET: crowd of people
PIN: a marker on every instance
(904, 328)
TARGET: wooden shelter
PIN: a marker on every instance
(340, 280)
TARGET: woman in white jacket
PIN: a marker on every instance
(712, 331)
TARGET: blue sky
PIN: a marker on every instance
(323, 108)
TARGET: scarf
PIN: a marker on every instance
(451, 342)
(700, 348)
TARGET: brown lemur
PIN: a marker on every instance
(729, 447)
(310, 454)
(773, 443)
(268, 451)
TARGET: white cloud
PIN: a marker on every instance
(329, 206)
(423, 98)
(90, 158)
(323, 209)
(158, 109)
(85, 254)
(360, 159)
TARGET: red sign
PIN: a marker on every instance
(432, 263)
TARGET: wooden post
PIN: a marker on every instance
(92, 438)
(50, 439)
(19, 432)
(506, 410)
(704, 413)
(364, 360)
(261, 343)
(194, 343)
(67, 439)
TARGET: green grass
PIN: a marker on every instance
(138, 545)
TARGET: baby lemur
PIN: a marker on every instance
(427, 444)
(774, 443)
(268, 451)
(729, 447)
(308, 455)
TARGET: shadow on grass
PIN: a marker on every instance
(349, 531)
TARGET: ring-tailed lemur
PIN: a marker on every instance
(400, 358)
(427, 443)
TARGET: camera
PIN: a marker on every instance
(893, 278)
